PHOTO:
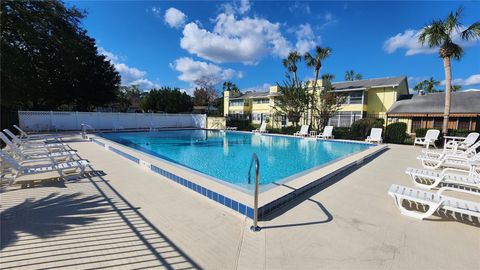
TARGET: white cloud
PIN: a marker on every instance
(409, 40)
(244, 6)
(175, 18)
(471, 80)
(192, 71)
(129, 75)
(305, 38)
(244, 40)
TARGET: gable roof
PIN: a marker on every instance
(434, 103)
(370, 83)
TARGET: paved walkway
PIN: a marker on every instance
(122, 216)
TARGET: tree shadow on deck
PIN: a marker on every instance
(93, 227)
(49, 216)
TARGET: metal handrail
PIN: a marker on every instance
(255, 226)
(84, 129)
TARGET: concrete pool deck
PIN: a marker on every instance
(123, 216)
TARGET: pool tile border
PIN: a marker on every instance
(210, 194)
(243, 209)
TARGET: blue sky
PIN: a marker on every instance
(173, 43)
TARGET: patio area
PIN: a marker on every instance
(123, 216)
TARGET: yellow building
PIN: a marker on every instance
(372, 97)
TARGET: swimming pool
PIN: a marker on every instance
(226, 156)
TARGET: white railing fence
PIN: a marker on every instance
(53, 121)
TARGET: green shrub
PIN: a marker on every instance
(396, 133)
(240, 124)
(360, 129)
(458, 132)
(420, 132)
(342, 133)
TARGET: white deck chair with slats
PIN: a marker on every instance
(36, 154)
(450, 161)
(430, 137)
(327, 133)
(375, 136)
(303, 131)
(431, 178)
(465, 144)
(261, 129)
(469, 152)
(25, 136)
(25, 173)
(435, 201)
(35, 143)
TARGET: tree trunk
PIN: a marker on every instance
(295, 77)
(448, 87)
(313, 97)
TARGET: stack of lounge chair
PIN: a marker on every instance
(454, 168)
(29, 158)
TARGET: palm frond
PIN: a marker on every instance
(434, 34)
(472, 32)
(309, 60)
(452, 23)
(456, 51)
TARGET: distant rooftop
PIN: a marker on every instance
(370, 83)
(462, 103)
(341, 86)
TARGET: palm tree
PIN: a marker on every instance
(351, 76)
(291, 63)
(328, 77)
(456, 88)
(439, 33)
(429, 85)
(316, 62)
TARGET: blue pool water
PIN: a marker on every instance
(227, 155)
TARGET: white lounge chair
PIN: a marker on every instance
(261, 129)
(375, 136)
(23, 173)
(430, 137)
(469, 152)
(434, 201)
(327, 133)
(35, 143)
(465, 144)
(36, 154)
(430, 178)
(25, 136)
(450, 161)
(303, 131)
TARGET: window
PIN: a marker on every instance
(464, 123)
(238, 102)
(416, 123)
(354, 97)
(261, 101)
(437, 123)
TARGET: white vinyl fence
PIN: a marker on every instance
(50, 120)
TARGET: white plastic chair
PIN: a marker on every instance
(450, 161)
(327, 133)
(261, 129)
(375, 136)
(24, 135)
(462, 145)
(25, 173)
(435, 201)
(430, 137)
(35, 143)
(303, 131)
(431, 178)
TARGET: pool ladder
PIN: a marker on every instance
(255, 226)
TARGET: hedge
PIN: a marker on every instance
(396, 133)
(361, 128)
